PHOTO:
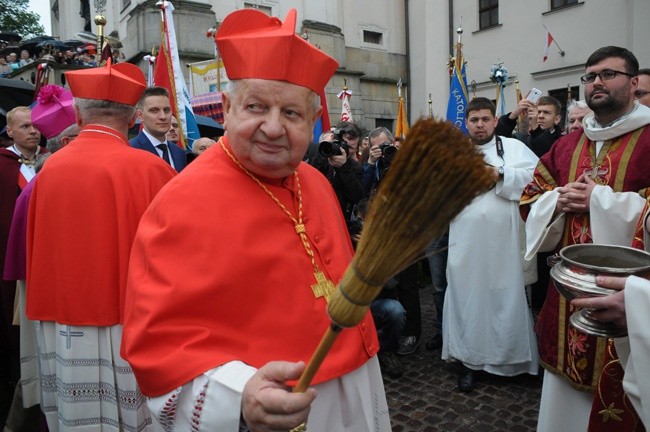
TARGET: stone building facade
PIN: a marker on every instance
(377, 42)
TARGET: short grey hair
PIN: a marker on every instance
(322, 136)
(40, 160)
(234, 87)
(576, 104)
(92, 110)
(381, 130)
(54, 143)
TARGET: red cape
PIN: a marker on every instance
(218, 274)
(83, 214)
(9, 191)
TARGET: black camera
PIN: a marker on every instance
(333, 148)
(388, 150)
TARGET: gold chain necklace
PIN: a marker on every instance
(323, 287)
(24, 159)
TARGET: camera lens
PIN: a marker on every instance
(389, 151)
(328, 149)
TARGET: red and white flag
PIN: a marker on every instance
(168, 73)
(547, 44)
(346, 110)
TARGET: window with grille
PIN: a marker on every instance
(488, 12)
(559, 4)
(383, 122)
(372, 37)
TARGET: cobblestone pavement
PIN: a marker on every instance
(425, 398)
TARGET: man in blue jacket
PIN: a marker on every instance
(155, 113)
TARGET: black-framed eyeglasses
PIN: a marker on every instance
(604, 75)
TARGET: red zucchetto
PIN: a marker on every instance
(254, 45)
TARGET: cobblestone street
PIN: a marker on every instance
(425, 398)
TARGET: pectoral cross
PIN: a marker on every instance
(322, 287)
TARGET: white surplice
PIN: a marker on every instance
(634, 350)
(29, 371)
(86, 385)
(487, 323)
(355, 402)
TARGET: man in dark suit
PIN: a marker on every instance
(155, 113)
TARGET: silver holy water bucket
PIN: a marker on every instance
(574, 274)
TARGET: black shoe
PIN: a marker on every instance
(466, 381)
(390, 364)
(435, 343)
(408, 345)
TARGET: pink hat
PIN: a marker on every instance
(53, 112)
(254, 45)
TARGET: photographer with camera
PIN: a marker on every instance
(351, 134)
(382, 151)
(345, 174)
(387, 312)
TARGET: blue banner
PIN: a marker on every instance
(318, 129)
(458, 99)
(192, 128)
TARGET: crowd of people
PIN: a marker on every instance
(84, 55)
(12, 62)
(146, 288)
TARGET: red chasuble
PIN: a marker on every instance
(218, 274)
(623, 165)
(611, 409)
(83, 215)
(9, 191)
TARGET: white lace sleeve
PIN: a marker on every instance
(614, 215)
(210, 402)
(543, 232)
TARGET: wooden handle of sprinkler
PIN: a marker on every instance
(317, 358)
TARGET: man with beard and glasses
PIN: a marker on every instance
(586, 189)
(487, 324)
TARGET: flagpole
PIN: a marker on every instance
(430, 106)
(100, 21)
(498, 94)
(562, 52)
(458, 94)
(172, 82)
(459, 48)
(569, 100)
(518, 98)
(401, 129)
(346, 110)
(217, 56)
